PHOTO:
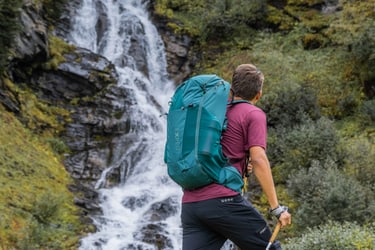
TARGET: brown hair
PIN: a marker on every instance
(247, 81)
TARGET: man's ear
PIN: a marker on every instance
(258, 96)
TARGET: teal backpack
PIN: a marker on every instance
(195, 121)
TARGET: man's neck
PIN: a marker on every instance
(253, 101)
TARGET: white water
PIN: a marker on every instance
(125, 207)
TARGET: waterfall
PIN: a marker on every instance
(142, 212)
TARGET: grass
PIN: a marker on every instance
(36, 207)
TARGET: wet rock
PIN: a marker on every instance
(162, 210)
(155, 235)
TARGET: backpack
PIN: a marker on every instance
(195, 121)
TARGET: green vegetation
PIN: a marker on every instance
(333, 235)
(318, 95)
(326, 193)
(319, 98)
(207, 21)
(39, 116)
(53, 9)
(36, 207)
(57, 47)
(37, 210)
(9, 26)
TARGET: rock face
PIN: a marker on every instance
(31, 45)
(85, 84)
(180, 58)
(31, 42)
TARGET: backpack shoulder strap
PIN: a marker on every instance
(245, 172)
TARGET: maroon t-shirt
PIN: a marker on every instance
(247, 127)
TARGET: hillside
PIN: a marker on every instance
(318, 58)
(318, 62)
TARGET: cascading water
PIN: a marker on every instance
(143, 211)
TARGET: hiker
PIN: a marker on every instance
(214, 213)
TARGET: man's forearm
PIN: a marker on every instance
(262, 171)
(265, 180)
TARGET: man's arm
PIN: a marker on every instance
(262, 170)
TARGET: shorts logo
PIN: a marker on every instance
(226, 200)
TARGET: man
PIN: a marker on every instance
(212, 214)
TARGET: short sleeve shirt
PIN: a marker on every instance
(246, 128)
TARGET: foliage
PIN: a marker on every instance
(291, 150)
(305, 2)
(9, 26)
(359, 160)
(318, 71)
(321, 137)
(368, 111)
(209, 20)
(288, 106)
(57, 47)
(36, 208)
(284, 60)
(38, 115)
(277, 19)
(325, 193)
(333, 236)
(42, 225)
(355, 29)
(57, 145)
(53, 9)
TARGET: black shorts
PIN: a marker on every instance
(208, 224)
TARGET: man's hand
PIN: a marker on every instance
(285, 218)
(282, 214)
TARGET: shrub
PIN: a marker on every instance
(45, 208)
(333, 236)
(359, 160)
(354, 28)
(327, 73)
(292, 149)
(289, 106)
(211, 19)
(57, 145)
(368, 111)
(326, 193)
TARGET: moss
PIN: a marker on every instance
(57, 48)
(39, 116)
(36, 207)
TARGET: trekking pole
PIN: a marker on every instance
(274, 234)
